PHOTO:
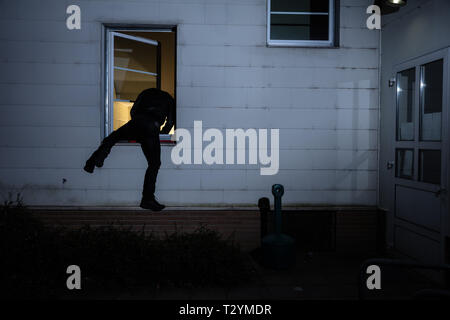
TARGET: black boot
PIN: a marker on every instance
(96, 160)
(151, 204)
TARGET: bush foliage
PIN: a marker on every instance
(34, 258)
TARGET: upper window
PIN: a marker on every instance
(137, 59)
(300, 23)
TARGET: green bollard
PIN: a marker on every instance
(278, 249)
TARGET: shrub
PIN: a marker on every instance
(34, 258)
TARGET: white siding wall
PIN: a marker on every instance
(325, 102)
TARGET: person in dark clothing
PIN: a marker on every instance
(151, 109)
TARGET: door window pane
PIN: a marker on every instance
(431, 101)
(430, 166)
(404, 163)
(405, 104)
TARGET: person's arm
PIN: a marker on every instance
(170, 118)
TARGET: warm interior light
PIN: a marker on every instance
(396, 3)
(121, 112)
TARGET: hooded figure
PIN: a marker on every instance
(151, 109)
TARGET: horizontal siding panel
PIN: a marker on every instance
(354, 17)
(360, 38)
(48, 94)
(329, 139)
(28, 136)
(356, 98)
(224, 180)
(221, 35)
(132, 157)
(245, 56)
(328, 159)
(49, 73)
(51, 52)
(183, 12)
(282, 118)
(233, 14)
(274, 98)
(49, 116)
(49, 31)
(277, 77)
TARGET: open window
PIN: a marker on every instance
(137, 59)
(301, 23)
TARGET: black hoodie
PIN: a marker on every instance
(157, 104)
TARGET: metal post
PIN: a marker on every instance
(277, 191)
(264, 209)
(278, 249)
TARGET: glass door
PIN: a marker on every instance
(420, 167)
(419, 100)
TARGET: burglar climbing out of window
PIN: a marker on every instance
(151, 109)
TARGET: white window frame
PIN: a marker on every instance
(304, 43)
(110, 31)
(110, 100)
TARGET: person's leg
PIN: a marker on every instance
(151, 147)
(152, 153)
(125, 132)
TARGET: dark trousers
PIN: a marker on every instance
(145, 131)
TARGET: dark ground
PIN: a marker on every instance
(315, 277)
(318, 275)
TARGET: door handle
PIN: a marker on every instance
(390, 164)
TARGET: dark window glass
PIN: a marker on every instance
(299, 5)
(431, 101)
(299, 27)
(430, 166)
(404, 163)
(405, 104)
